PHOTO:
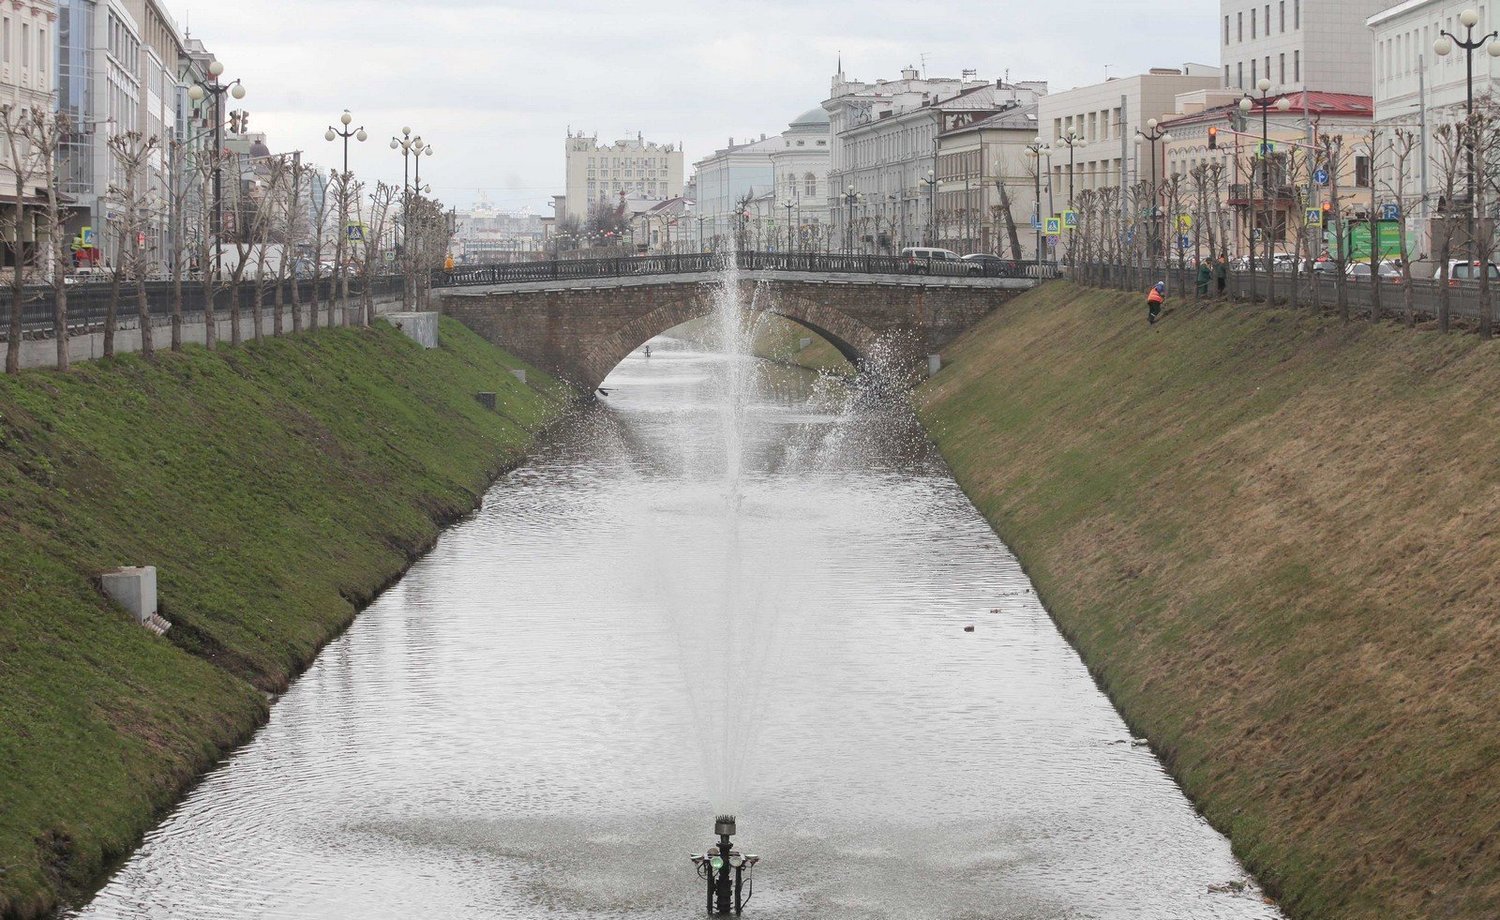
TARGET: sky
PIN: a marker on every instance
(495, 86)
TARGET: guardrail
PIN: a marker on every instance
(705, 262)
(88, 302)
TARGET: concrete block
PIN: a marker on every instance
(804, 342)
(133, 588)
(421, 328)
(934, 364)
(486, 399)
(519, 374)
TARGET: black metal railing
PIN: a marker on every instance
(88, 302)
(706, 262)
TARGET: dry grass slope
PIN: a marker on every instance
(1276, 541)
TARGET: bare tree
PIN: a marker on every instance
(1005, 211)
(45, 130)
(1370, 146)
(1484, 143)
(1450, 162)
(382, 202)
(132, 153)
(296, 233)
(1403, 143)
(272, 172)
(23, 164)
(1332, 147)
(320, 213)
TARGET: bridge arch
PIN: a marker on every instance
(852, 338)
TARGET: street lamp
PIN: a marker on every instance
(1035, 150)
(358, 134)
(1247, 102)
(930, 180)
(850, 199)
(199, 91)
(1444, 46)
(1073, 141)
(790, 245)
(1153, 133)
(408, 145)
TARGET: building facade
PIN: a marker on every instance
(799, 171)
(884, 146)
(731, 181)
(26, 77)
(1297, 44)
(987, 188)
(632, 166)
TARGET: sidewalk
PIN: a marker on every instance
(88, 346)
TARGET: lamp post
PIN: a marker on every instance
(198, 92)
(701, 219)
(930, 180)
(1035, 149)
(358, 134)
(1444, 46)
(789, 205)
(1268, 217)
(408, 145)
(1073, 141)
(1153, 133)
(850, 199)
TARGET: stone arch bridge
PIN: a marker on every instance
(580, 328)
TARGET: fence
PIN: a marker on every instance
(703, 262)
(1318, 289)
(87, 303)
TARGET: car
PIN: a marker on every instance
(990, 265)
(1460, 270)
(931, 261)
(1360, 271)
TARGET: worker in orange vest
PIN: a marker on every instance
(1154, 301)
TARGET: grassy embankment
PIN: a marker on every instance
(277, 487)
(1276, 542)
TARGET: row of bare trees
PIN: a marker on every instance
(279, 219)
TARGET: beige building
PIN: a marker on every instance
(986, 191)
(1103, 120)
(1297, 44)
(26, 75)
(632, 166)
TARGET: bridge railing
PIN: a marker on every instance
(697, 263)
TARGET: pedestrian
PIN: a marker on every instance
(1221, 274)
(1205, 274)
(1154, 301)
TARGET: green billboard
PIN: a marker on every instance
(1387, 235)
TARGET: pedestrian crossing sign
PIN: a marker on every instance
(1314, 217)
(1070, 219)
(1054, 226)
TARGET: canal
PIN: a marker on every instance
(729, 586)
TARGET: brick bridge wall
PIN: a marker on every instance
(581, 333)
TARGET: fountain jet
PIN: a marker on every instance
(727, 893)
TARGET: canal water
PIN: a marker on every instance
(728, 586)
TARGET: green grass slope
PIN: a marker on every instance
(277, 487)
(1275, 540)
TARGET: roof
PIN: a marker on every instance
(817, 117)
(1334, 105)
(1016, 118)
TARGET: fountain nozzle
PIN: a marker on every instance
(724, 826)
(727, 893)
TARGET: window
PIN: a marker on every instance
(1226, 76)
(1296, 14)
(1281, 64)
(5, 48)
(812, 185)
(1281, 15)
(1239, 21)
(1239, 70)
(1252, 24)
(25, 44)
(1297, 67)
(1226, 30)
(1253, 78)
(1362, 172)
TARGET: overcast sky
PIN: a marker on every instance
(494, 86)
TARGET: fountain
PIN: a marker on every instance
(726, 870)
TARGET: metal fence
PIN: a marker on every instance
(703, 262)
(87, 303)
(1318, 289)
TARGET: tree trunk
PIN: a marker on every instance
(210, 318)
(110, 306)
(143, 315)
(1010, 222)
(60, 321)
(177, 306)
(278, 301)
(234, 312)
(257, 321)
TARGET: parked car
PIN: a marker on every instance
(1360, 271)
(984, 263)
(1464, 270)
(925, 260)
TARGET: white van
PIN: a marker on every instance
(924, 260)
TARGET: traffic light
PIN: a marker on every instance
(234, 122)
(1213, 137)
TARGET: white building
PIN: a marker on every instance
(883, 160)
(487, 235)
(1103, 119)
(730, 176)
(633, 166)
(799, 170)
(1297, 44)
(26, 75)
(986, 192)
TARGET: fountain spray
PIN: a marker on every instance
(727, 894)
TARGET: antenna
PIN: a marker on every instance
(923, 58)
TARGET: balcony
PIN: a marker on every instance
(1244, 193)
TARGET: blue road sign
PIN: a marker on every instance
(1391, 211)
(1036, 223)
(1129, 237)
(1321, 177)
(1183, 242)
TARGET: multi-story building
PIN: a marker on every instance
(799, 172)
(486, 235)
(987, 188)
(635, 166)
(731, 178)
(1297, 44)
(1102, 120)
(121, 66)
(26, 75)
(883, 152)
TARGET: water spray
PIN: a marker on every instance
(726, 870)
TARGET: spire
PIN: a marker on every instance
(840, 71)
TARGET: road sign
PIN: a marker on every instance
(355, 233)
(1052, 242)
(1184, 222)
(88, 237)
(1266, 148)
(1390, 211)
(1321, 177)
(1129, 237)
(1313, 217)
(1183, 242)
(1070, 219)
(1036, 222)
(1054, 226)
